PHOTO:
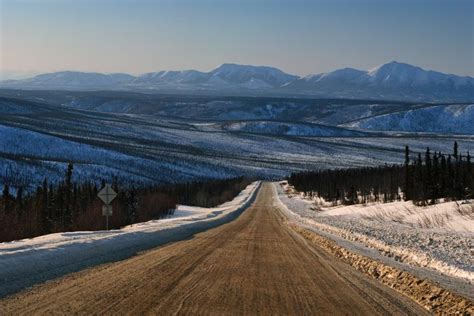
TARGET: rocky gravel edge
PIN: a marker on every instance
(426, 293)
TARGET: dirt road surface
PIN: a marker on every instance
(253, 265)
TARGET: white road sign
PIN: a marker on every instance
(107, 194)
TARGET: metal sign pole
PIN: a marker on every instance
(107, 194)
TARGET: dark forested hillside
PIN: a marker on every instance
(424, 178)
(70, 206)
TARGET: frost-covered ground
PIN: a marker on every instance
(30, 261)
(435, 242)
(438, 118)
(184, 139)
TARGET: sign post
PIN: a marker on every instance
(107, 195)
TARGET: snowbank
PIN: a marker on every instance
(398, 234)
(443, 217)
(26, 262)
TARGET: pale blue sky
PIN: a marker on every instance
(300, 37)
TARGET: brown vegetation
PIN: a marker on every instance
(70, 206)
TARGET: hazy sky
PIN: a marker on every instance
(297, 36)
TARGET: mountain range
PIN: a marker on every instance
(391, 81)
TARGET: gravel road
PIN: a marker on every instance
(253, 265)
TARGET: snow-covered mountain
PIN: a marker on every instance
(171, 77)
(226, 76)
(394, 81)
(72, 80)
(251, 76)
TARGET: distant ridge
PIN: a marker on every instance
(393, 80)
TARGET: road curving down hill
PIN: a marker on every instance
(253, 265)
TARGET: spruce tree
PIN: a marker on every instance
(408, 180)
(44, 207)
(51, 204)
(19, 199)
(419, 180)
(428, 179)
(435, 179)
(6, 198)
(132, 206)
(67, 208)
(455, 150)
(443, 176)
(6, 192)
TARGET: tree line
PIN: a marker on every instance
(72, 206)
(424, 178)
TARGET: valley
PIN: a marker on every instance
(141, 138)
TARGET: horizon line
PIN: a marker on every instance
(138, 74)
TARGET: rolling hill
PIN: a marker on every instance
(163, 139)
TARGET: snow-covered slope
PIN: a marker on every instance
(251, 76)
(337, 77)
(287, 128)
(30, 261)
(450, 119)
(171, 77)
(226, 76)
(38, 139)
(73, 80)
(208, 108)
(394, 80)
(397, 74)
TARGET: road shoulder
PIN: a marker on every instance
(432, 297)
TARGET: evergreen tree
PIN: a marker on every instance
(443, 176)
(427, 180)
(458, 179)
(351, 197)
(67, 208)
(6, 197)
(44, 215)
(132, 205)
(51, 204)
(424, 179)
(6, 192)
(455, 150)
(420, 193)
(435, 179)
(408, 175)
(19, 199)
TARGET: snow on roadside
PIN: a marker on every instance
(29, 261)
(394, 232)
(443, 217)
